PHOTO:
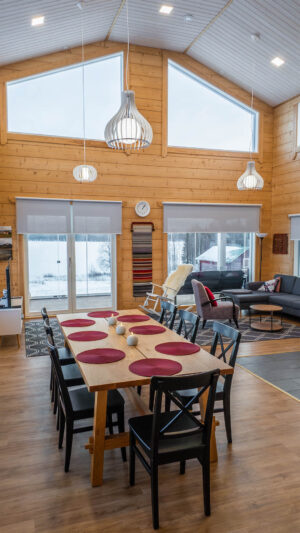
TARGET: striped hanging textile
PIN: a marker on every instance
(142, 258)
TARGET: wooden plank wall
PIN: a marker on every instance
(30, 166)
(286, 180)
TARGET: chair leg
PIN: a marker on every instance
(227, 417)
(182, 467)
(110, 424)
(69, 440)
(154, 496)
(131, 460)
(121, 428)
(206, 486)
(203, 323)
(58, 416)
(62, 422)
(55, 397)
(151, 399)
(139, 389)
(167, 404)
(236, 323)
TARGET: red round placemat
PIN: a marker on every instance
(133, 318)
(147, 330)
(177, 348)
(103, 314)
(87, 336)
(100, 355)
(77, 322)
(155, 367)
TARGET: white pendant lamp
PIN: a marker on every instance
(83, 173)
(251, 180)
(128, 128)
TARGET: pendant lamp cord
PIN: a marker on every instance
(83, 87)
(252, 115)
(127, 55)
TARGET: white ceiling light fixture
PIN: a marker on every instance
(251, 180)
(166, 10)
(83, 173)
(128, 128)
(188, 17)
(277, 61)
(38, 21)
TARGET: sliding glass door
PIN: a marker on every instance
(68, 273)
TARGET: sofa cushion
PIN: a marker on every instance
(285, 300)
(296, 288)
(254, 297)
(287, 283)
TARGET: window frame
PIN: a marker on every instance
(57, 61)
(221, 86)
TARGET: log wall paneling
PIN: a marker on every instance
(42, 167)
(286, 180)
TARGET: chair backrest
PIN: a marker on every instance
(200, 296)
(48, 330)
(228, 354)
(64, 393)
(168, 386)
(176, 280)
(167, 314)
(44, 313)
(188, 325)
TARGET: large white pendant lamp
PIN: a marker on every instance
(128, 128)
(83, 173)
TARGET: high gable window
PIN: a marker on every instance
(51, 103)
(202, 116)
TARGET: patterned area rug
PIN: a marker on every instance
(35, 337)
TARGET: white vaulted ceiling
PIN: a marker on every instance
(226, 46)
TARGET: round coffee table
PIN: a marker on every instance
(266, 325)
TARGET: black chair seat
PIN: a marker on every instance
(72, 375)
(142, 428)
(65, 356)
(83, 402)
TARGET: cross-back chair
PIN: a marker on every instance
(78, 404)
(227, 351)
(168, 314)
(175, 436)
(188, 325)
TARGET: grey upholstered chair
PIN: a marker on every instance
(225, 310)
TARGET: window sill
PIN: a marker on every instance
(27, 137)
(213, 153)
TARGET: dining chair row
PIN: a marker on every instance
(71, 398)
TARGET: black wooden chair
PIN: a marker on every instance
(188, 325)
(175, 436)
(229, 355)
(78, 404)
(168, 314)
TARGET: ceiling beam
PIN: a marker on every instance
(115, 19)
(208, 26)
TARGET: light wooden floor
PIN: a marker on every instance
(255, 486)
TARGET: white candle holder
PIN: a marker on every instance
(132, 340)
(112, 320)
(120, 329)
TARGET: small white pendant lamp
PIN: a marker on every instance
(83, 173)
(128, 128)
(251, 180)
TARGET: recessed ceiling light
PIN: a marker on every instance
(277, 61)
(37, 21)
(188, 17)
(166, 10)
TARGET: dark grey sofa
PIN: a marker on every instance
(215, 280)
(288, 297)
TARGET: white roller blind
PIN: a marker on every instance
(210, 218)
(97, 217)
(37, 215)
(295, 227)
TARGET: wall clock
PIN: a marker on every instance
(142, 208)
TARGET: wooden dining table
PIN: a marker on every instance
(99, 378)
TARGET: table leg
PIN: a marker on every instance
(97, 457)
(213, 443)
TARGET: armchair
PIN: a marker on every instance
(225, 310)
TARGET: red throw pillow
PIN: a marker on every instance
(211, 296)
(277, 289)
